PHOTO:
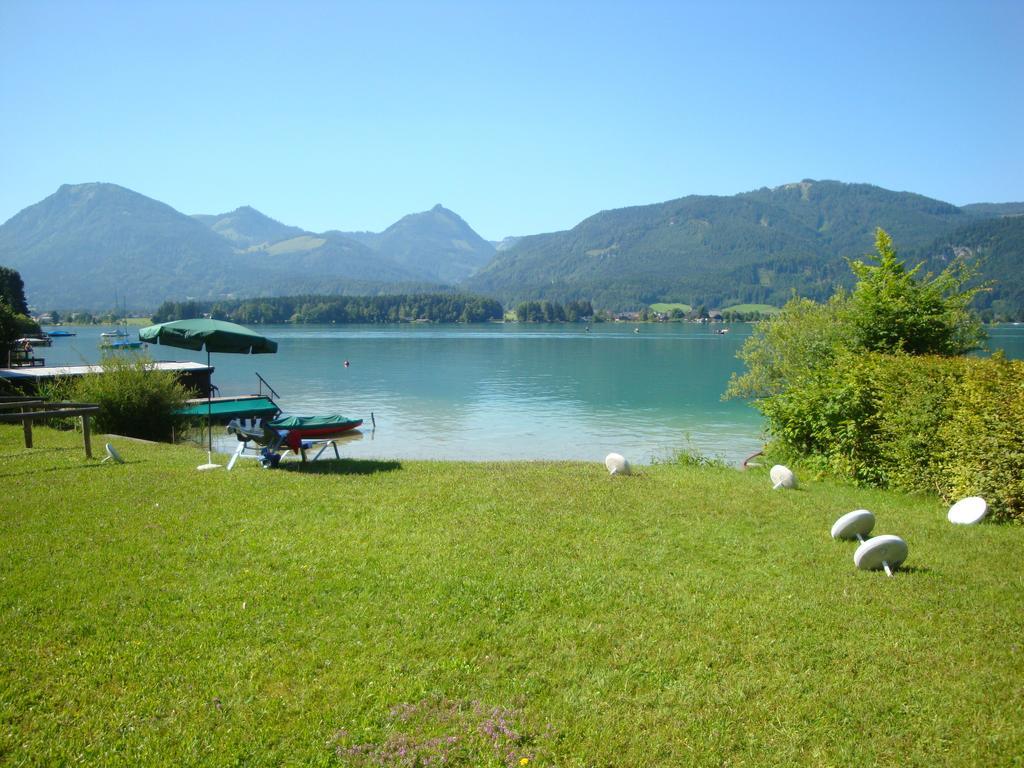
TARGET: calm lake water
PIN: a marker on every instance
(503, 391)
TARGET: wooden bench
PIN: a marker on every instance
(27, 410)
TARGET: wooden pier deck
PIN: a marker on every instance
(193, 375)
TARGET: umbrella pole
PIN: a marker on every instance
(209, 416)
(209, 412)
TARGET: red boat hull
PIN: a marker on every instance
(295, 436)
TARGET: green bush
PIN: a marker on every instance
(830, 414)
(947, 425)
(873, 386)
(59, 389)
(134, 398)
(895, 309)
(915, 397)
(983, 441)
(12, 326)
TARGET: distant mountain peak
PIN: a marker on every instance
(437, 243)
(100, 238)
(246, 227)
(87, 185)
(91, 188)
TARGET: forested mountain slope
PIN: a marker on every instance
(753, 247)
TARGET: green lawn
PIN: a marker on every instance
(764, 309)
(378, 613)
(669, 307)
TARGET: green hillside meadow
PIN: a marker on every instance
(764, 309)
(666, 307)
(362, 613)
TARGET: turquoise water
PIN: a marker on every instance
(503, 391)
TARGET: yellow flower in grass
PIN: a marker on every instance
(524, 760)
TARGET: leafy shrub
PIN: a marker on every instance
(915, 397)
(135, 399)
(831, 414)
(12, 326)
(61, 388)
(856, 387)
(56, 389)
(983, 442)
(785, 349)
(895, 309)
(947, 425)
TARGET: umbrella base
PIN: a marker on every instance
(204, 467)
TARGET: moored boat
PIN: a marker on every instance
(120, 344)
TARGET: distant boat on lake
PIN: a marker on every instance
(115, 344)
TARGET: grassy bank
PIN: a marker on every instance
(363, 613)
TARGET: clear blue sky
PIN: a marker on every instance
(522, 117)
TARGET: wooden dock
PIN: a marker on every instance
(28, 378)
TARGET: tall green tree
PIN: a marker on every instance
(807, 368)
(787, 348)
(891, 309)
(12, 326)
(895, 309)
(12, 290)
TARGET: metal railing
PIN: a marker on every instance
(264, 383)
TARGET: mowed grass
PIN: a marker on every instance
(663, 307)
(764, 309)
(379, 613)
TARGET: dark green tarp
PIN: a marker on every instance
(312, 422)
(251, 407)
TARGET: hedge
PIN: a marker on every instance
(135, 398)
(949, 425)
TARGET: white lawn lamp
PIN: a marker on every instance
(782, 477)
(616, 464)
(969, 511)
(885, 551)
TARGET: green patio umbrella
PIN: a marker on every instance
(213, 336)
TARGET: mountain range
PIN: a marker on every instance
(755, 247)
(87, 243)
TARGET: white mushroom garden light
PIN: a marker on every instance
(854, 525)
(967, 511)
(616, 464)
(887, 552)
(112, 455)
(782, 477)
